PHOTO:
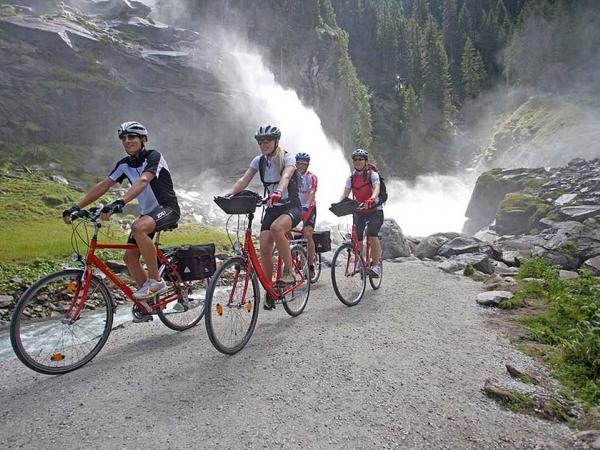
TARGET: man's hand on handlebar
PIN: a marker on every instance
(67, 213)
(112, 208)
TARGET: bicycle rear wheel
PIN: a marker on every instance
(348, 275)
(232, 302)
(187, 311)
(42, 335)
(317, 265)
(295, 302)
(375, 282)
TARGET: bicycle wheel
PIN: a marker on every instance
(187, 311)
(348, 275)
(232, 303)
(42, 336)
(376, 282)
(295, 301)
(317, 265)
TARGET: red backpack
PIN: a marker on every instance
(363, 191)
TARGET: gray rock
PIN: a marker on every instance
(564, 199)
(479, 261)
(567, 274)
(59, 179)
(429, 246)
(6, 301)
(581, 212)
(593, 264)
(493, 298)
(393, 242)
(502, 269)
(459, 245)
(451, 266)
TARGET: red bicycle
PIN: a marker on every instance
(63, 321)
(349, 270)
(233, 296)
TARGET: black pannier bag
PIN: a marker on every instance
(322, 241)
(196, 262)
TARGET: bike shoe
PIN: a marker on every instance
(269, 303)
(150, 289)
(143, 319)
(375, 271)
(287, 279)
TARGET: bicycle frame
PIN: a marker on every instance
(249, 251)
(91, 260)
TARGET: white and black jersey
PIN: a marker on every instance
(160, 191)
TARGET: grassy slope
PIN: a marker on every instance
(546, 131)
(32, 228)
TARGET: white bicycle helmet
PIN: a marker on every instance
(267, 132)
(132, 128)
(360, 152)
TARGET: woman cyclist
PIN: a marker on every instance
(364, 184)
(283, 212)
(308, 189)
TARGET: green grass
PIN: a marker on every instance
(570, 325)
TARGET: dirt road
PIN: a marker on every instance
(403, 369)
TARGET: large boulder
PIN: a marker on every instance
(429, 246)
(393, 242)
(593, 264)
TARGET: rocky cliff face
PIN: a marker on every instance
(553, 213)
(72, 71)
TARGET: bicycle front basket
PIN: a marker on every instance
(242, 203)
(344, 208)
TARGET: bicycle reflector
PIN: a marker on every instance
(57, 357)
(249, 306)
(219, 309)
(71, 286)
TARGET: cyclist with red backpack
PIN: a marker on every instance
(365, 185)
(278, 174)
(308, 189)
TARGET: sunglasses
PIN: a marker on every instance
(129, 137)
(264, 141)
(358, 159)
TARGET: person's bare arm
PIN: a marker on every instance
(243, 182)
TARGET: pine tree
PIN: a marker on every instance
(472, 70)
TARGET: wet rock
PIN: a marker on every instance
(493, 298)
(564, 199)
(458, 246)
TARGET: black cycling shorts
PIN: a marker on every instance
(164, 217)
(372, 221)
(271, 214)
(312, 218)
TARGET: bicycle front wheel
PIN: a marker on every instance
(44, 336)
(295, 301)
(348, 275)
(375, 282)
(188, 309)
(232, 302)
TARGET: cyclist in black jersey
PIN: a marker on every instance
(150, 182)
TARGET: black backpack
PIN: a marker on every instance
(293, 186)
(383, 194)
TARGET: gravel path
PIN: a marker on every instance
(403, 369)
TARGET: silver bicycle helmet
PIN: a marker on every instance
(360, 152)
(132, 128)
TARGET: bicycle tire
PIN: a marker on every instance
(194, 291)
(225, 305)
(37, 327)
(295, 302)
(348, 275)
(317, 265)
(376, 282)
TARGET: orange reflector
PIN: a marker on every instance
(71, 286)
(219, 309)
(249, 306)
(57, 357)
